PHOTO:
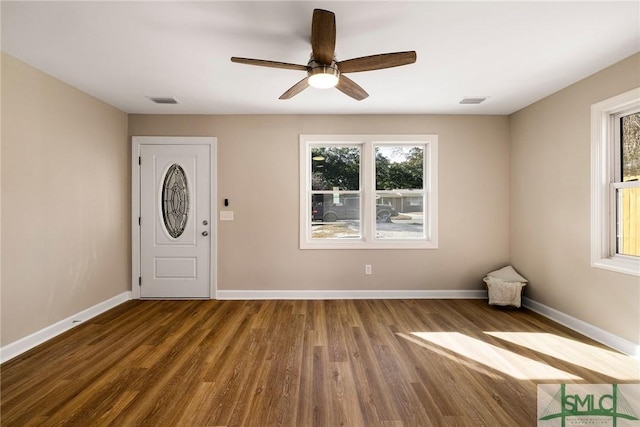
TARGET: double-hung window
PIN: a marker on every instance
(368, 192)
(615, 183)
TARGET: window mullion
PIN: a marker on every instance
(367, 174)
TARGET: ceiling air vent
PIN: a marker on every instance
(473, 99)
(163, 100)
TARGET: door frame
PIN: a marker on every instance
(136, 143)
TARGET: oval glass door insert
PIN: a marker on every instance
(175, 201)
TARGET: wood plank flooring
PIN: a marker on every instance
(387, 363)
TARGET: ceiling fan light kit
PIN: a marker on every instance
(322, 76)
(322, 70)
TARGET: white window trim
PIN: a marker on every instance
(368, 240)
(602, 176)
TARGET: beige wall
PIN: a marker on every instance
(65, 201)
(258, 173)
(550, 205)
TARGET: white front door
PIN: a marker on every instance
(175, 220)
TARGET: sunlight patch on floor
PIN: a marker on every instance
(447, 354)
(597, 359)
(499, 359)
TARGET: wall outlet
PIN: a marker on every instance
(367, 269)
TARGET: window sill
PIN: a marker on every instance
(370, 245)
(620, 264)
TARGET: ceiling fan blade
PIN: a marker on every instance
(377, 62)
(350, 88)
(323, 36)
(271, 64)
(296, 89)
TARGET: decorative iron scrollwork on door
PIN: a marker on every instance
(175, 201)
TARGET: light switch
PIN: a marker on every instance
(226, 215)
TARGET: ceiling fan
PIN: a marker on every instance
(323, 71)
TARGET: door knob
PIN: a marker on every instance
(205, 233)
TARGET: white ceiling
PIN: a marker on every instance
(514, 52)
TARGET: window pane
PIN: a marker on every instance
(399, 167)
(630, 141)
(400, 215)
(628, 221)
(175, 201)
(400, 206)
(335, 168)
(335, 216)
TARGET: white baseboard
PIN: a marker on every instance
(24, 344)
(593, 332)
(353, 294)
(16, 348)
